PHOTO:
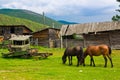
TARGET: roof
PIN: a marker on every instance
(46, 29)
(89, 27)
(16, 26)
(20, 37)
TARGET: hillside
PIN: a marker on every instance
(26, 14)
(8, 20)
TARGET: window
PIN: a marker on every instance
(17, 42)
(12, 30)
(27, 42)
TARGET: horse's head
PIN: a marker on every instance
(64, 56)
(64, 59)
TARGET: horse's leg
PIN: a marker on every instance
(105, 61)
(110, 60)
(69, 60)
(83, 60)
(92, 61)
(78, 60)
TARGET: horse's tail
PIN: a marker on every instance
(110, 50)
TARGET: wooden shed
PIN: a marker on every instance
(7, 30)
(96, 33)
(48, 37)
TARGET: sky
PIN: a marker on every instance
(80, 11)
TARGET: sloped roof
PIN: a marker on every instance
(89, 27)
(17, 26)
(20, 37)
(46, 29)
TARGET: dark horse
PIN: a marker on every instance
(97, 51)
(75, 51)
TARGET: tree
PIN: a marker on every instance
(116, 17)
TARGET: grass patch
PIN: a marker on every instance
(53, 69)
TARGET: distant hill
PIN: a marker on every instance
(66, 22)
(8, 20)
(26, 14)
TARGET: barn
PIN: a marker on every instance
(48, 37)
(95, 33)
(7, 30)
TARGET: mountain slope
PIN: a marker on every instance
(26, 14)
(8, 20)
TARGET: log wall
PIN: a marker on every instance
(111, 38)
(72, 43)
(115, 39)
(48, 37)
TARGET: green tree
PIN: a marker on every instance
(116, 17)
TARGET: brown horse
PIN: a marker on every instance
(75, 51)
(97, 51)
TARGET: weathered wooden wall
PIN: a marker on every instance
(47, 37)
(95, 39)
(41, 38)
(111, 38)
(72, 43)
(115, 39)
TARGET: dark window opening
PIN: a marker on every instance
(12, 30)
(27, 42)
(17, 42)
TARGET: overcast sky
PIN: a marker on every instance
(80, 11)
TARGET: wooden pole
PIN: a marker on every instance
(43, 18)
(61, 39)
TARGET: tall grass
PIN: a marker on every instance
(53, 69)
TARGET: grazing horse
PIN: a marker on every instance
(97, 51)
(75, 51)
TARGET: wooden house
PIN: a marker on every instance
(7, 30)
(46, 37)
(95, 33)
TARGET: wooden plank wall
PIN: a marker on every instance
(111, 38)
(48, 38)
(72, 43)
(115, 39)
(95, 39)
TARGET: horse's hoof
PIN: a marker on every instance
(112, 66)
(105, 66)
(77, 65)
(93, 65)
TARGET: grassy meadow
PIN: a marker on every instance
(53, 69)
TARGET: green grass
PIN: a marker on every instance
(53, 69)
